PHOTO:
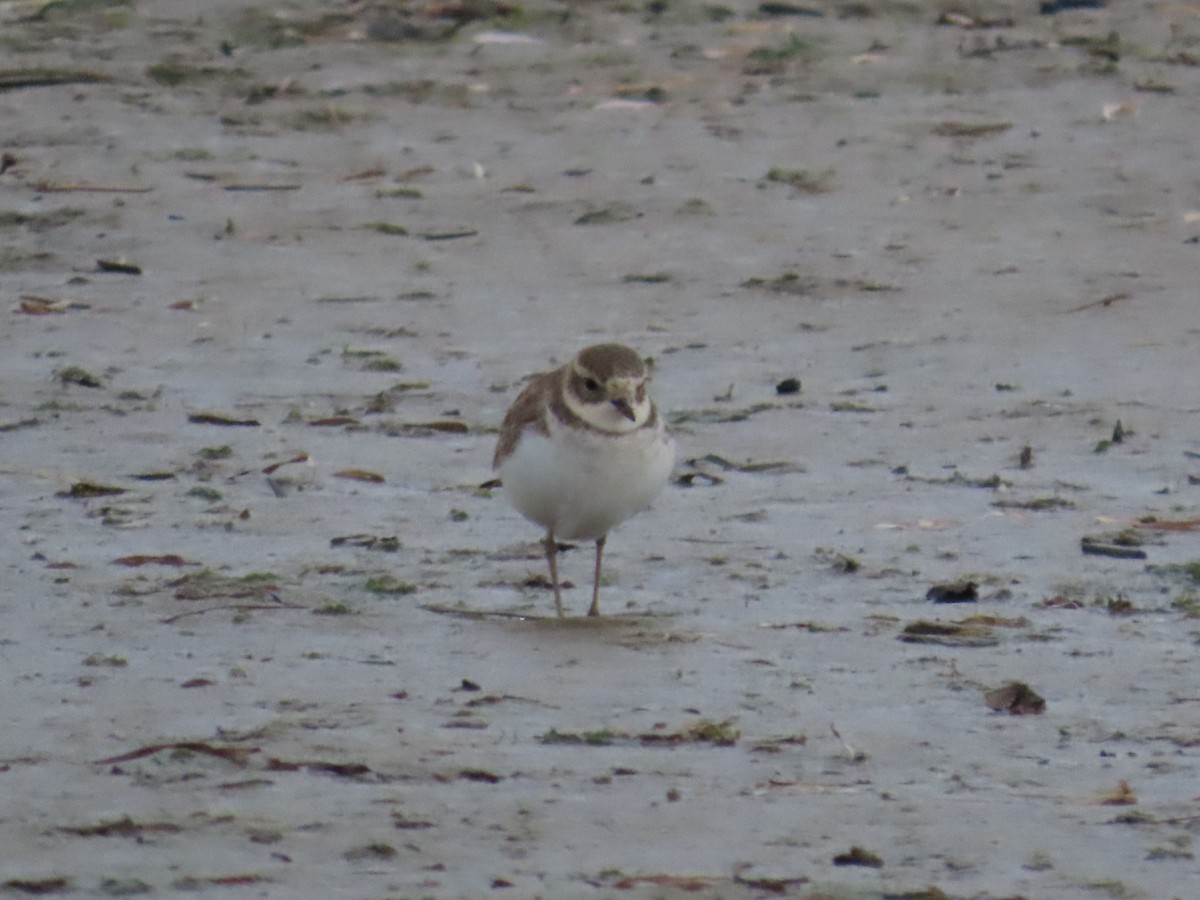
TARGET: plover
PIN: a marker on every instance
(582, 449)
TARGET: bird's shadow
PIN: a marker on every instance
(543, 620)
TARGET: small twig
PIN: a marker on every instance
(1103, 301)
(1178, 820)
(241, 607)
(58, 187)
(852, 753)
(13, 79)
(248, 188)
(475, 614)
(233, 754)
(368, 173)
(1094, 547)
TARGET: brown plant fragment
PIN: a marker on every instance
(1017, 698)
(1114, 546)
(767, 883)
(32, 305)
(19, 424)
(995, 621)
(79, 376)
(970, 129)
(360, 475)
(123, 827)
(389, 544)
(252, 188)
(239, 607)
(169, 559)
(406, 824)
(37, 887)
(687, 883)
(1036, 504)
(1150, 523)
(967, 633)
(954, 592)
(704, 731)
(120, 266)
(82, 490)
(1122, 795)
(43, 77)
(857, 856)
(236, 755)
(1061, 601)
(208, 585)
(482, 775)
(452, 234)
(192, 883)
(209, 418)
(274, 467)
(67, 187)
(40, 307)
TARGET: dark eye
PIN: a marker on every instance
(592, 385)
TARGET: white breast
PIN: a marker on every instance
(581, 484)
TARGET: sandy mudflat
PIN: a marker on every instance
(301, 654)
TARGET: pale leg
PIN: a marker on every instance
(594, 610)
(552, 558)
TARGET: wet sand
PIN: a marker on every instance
(271, 275)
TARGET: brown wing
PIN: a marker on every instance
(527, 411)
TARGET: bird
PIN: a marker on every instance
(582, 449)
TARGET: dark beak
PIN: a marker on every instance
(623, 407)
